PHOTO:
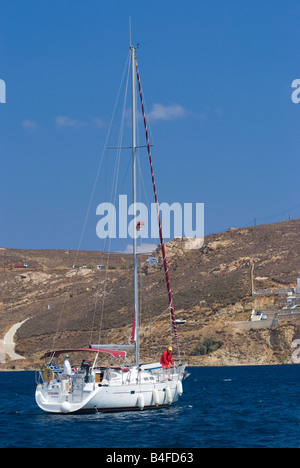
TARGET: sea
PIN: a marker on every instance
(221, 407)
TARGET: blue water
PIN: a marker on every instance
(221, 407)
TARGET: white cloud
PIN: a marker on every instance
(169, 112)
(63, 121)
(99, 122)
(30, 124)
(145, 248)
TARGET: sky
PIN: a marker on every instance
(217, 81)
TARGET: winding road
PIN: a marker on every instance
(7, 345)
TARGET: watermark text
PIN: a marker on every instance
(136, 221)
(296, 93)
(2, 92)
(296, 353)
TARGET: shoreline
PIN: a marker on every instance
(188, 366)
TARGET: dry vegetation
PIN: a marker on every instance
(211, 286)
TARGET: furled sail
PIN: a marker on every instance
(167, 276)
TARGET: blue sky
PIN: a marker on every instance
(217, 82)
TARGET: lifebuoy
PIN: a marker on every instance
(48, 374)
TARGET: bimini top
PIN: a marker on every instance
(112, 352)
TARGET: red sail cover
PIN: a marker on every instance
(159, 220)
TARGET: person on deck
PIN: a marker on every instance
(165, 360)
(67, 368)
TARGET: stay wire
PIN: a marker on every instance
(112, 199)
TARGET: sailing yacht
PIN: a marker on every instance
(115, 388)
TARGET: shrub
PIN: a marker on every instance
(209, 345)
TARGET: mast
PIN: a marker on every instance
(135, 259)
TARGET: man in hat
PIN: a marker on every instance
(67, 367)
(165, 360)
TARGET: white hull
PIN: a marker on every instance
(118, 390)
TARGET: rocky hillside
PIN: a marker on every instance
(67, 300)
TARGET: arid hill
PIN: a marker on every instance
(66, 299)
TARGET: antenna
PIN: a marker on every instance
(130, 30)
